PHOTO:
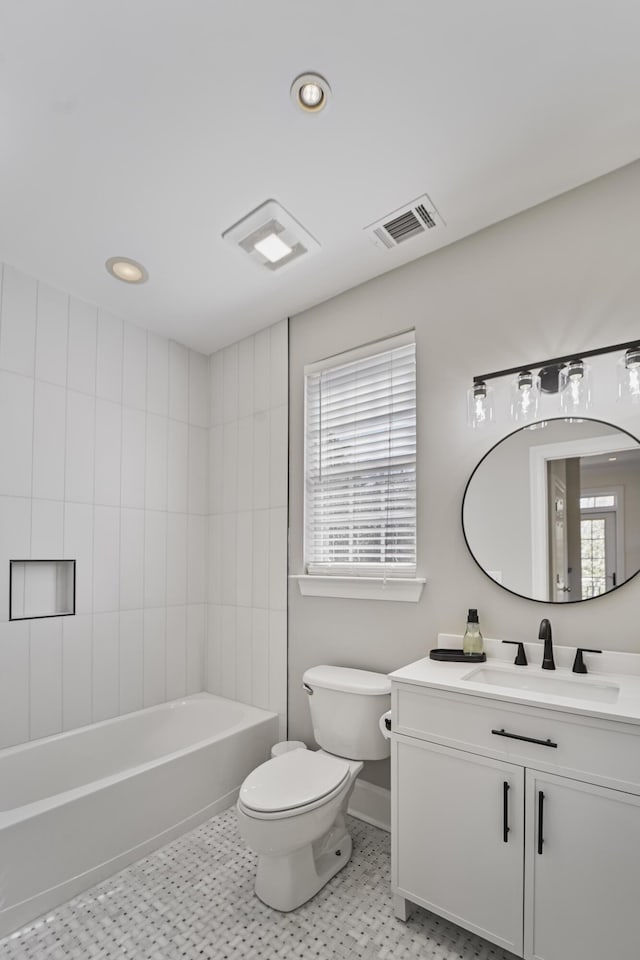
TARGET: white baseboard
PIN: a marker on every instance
(371, 804)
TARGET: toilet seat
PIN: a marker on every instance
(293, 783)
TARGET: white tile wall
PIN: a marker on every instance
(178, 471)
(108, 453)
(164, 474)
(134, 367)
(16, 434)
(81, 354)
(51, 335)
(157, 375)
(132, 566)
(47, 528)
(45, 677)
(49, 438)
(14, 682)
(155, 557)
(109, 358)
(77, 675)
(18, 322)
(131, 660)
(104, 433)
(176, 652)
(134, 431)
(80, 446)
(155, 655)
(178, 381)
(105, 664)
(248, 469)
(196, 645)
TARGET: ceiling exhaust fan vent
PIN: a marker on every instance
(415, 219)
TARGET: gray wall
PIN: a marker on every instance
(555, 279)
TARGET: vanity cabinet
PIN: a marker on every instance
(519, 823)
(450, 866)
(582, 873)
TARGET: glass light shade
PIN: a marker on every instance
(525, 397)
(575, 387)
(479, 405)
(629, 377)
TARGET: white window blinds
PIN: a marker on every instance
(360, 462)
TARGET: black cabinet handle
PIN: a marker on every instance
(540, 820)
(516, 736)
(505, 811)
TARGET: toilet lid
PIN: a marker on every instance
(292, 780)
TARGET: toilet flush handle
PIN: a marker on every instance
(307, 689)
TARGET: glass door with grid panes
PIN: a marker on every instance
(598, 548)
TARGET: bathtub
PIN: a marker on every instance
(79, 806)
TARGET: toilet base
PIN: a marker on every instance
(286, 882)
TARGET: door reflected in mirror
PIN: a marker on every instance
(552, 512)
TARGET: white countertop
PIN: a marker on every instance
(451, 677)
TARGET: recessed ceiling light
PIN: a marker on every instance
(310, 92)
(127, 270)
(273, 248)
(611, 459)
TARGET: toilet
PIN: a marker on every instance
(292, 809)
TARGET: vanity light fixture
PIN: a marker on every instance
(310, 92)
(629, 375)
(479, 404)
(575, 387)
(127, 270)
(525, 394)
(568, 376)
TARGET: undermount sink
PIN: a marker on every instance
(526, 678)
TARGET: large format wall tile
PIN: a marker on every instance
(163, 473)
(105, 432)
(51, 335)
(18, 322)
(248, 494)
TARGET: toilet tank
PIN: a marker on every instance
(346, 706)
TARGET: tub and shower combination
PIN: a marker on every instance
(79, 806)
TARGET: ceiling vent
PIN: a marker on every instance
(415, 219)
(271, 236)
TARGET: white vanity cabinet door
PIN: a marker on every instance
(582, 885)
(449, 851)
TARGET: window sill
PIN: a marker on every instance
(407, 590)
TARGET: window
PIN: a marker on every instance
(602, 564)
(360, 462)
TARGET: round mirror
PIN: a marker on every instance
(552, 512)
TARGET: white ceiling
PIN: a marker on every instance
(147, 127)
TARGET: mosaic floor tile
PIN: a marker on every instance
(194, 900)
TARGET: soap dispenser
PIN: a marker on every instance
(472, 640)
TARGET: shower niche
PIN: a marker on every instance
(41, 588)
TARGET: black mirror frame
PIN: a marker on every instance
(558, 603)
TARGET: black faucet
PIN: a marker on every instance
(545, 634)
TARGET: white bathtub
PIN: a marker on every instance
(79, 806)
